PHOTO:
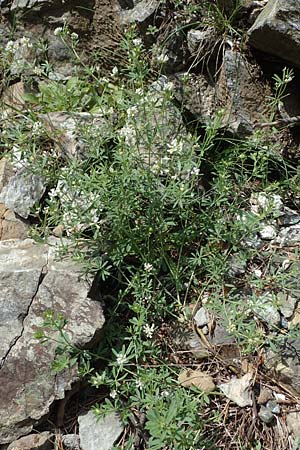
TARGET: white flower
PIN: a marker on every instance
(148, 267)
(139, 384)
(97, 380)
(115, 71)
(113, 394)
(165, 393)
(169, 86)
(132, 112)
(162, 58)
(38, 71)
(10, 46)
(195, 171)
(128, 132)
(175, 146)
(139, 91)
(74, 36)
(137, 41)
(58, 31)
(257, 273)
(121, 359)
(25, 42)
(37, 128)
(149, 330)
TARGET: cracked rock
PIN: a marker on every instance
(32, 282)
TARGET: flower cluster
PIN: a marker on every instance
(79, 211)
(128, 133)
(149, 330)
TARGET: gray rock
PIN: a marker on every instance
(58, 50)
(41, 441)
(285, 364)
(221, 337)
(264, 307)
(201, 41)
(6, 172)
(197, 95)
(70, 442)
(242, 94)
(273, 406)
(287, 304)
(22, 192)
(268, 232)
(29, 4)
(289, 236)
(265, 414)
(140, 13)
(252, 241)
(32, 282)
(289, 218)
(292, 422)
(67, 129)
(99, 434)
(277, 30)
(237, 265)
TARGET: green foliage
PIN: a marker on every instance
(156, 216)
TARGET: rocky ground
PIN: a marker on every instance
(232, 69)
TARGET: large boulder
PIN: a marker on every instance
(32, 282)
(277, 30)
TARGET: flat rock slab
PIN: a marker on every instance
(99, 434)
(32, 282)
(277, 30)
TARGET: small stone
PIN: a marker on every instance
(265, 414)
(42, 441)
(70, 442)
(268, 232)
(196, 378)
(252, 241)
(273, 406)
(237, 265)
(287, 304)
(201, 41)
(288, 236)
(201, 317)
(58, 230)
(195, 346)
(100, 434)
(289, 218)
(264, 308)
(264, 396)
